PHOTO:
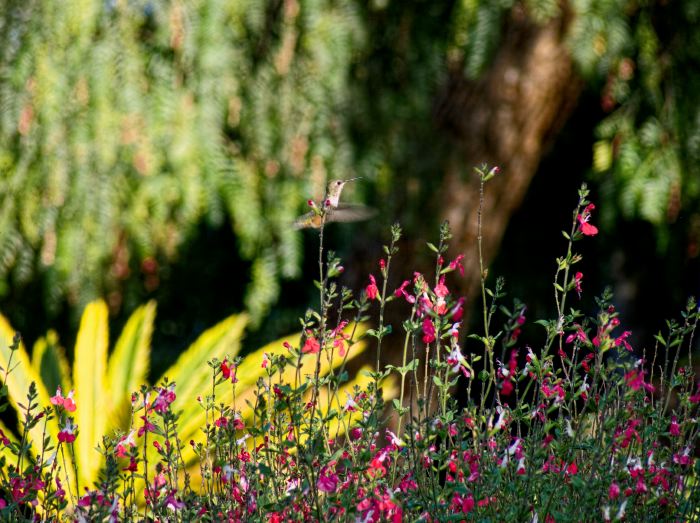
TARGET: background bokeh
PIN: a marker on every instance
(162, 149)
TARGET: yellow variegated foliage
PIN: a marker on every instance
(50, 362)
(104, 383)
(91, 393)
(21, 374)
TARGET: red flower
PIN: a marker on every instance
(311, 346)
(372, 291)
(67, 433)
(229, 371)
(586, 228)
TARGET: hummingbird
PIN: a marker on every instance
(331, 210)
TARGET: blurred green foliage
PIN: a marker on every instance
(127, 125)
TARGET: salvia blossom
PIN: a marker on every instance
(428, 331)
(457, 264)
(327, 480)
(67, 433)
(126, 441)
(577, 283)
(229, 371)
(371, 290)
(165, 397)
(311, 345)
(66, 403)
(401, 291)
(586, 228)
(458, 362)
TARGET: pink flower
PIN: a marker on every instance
(441, 289)
(614, 490)
(164, 399)
(635, 380)
(622, 340)
(695, 398)
(340, 344)
(577, 283)
(127, 441)
(401, 291)
(311, 346)
(586, 228)
(58, 398)
(428, 331)
(371, 290)
(67, 403)
(146, 427)
(327, 481)
(457, 264)
(578, 335)
(464, 504)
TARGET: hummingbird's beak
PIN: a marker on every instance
(353, 179)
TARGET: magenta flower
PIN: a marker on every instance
(67, 433)
(614, 490)
(327, 481)
(675, 429)
(635, 381)
(457, 264)
(164, 399)
(428, 331)
(401, 291)
(577, 283)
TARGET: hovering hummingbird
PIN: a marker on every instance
(332, 210)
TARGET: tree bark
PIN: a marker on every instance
(508, 117)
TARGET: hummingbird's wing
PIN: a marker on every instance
(350, 213)
(306, 220)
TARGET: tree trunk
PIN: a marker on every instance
(508, 117)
